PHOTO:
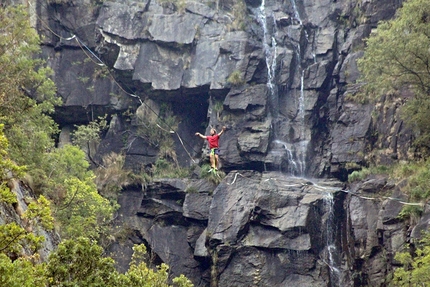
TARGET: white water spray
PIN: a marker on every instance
(302, 145)
(330, 241)
(296, 12)
(270, 55)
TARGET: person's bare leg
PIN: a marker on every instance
(216, 161)
(212, 161)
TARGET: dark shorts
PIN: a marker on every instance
(214, 151)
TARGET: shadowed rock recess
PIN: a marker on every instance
(278, 75)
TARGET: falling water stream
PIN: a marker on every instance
(331, 251)
(302, 145)
(295, 153)
(331, 259)
(270, 51)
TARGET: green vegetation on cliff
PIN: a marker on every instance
(67, 197)
(415, 267)
(397, 61)
(80, 262)
(397, 58)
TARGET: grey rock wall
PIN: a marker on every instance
(287, 109)
(253, 229)
(269, 229)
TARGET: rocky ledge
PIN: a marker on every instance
(253, 229)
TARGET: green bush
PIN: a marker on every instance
(235, 78)
(166, 169)
(415, 266)
(111, 176)
(86, 134)
(239, 12)
(208, 174)
(158, 130)
(358, 175)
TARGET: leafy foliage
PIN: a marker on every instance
(416, 268)
(20, 273)
(111, 176)
(417, 187)
(154, 130)
(215, 177)
(236, 78)
(83, 210)
(140, 275)
(39, 212)
(158, 129)
(27, 94)
(18, 44)
(14, 238)
(86, 134)
(397, 57)
(165, 169)
(364, 172)
(81, 262)
(8, 169)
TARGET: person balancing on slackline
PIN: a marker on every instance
(213, 140)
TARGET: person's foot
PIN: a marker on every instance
(210, 170)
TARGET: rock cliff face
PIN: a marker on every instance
(279, 75)
(253, 229)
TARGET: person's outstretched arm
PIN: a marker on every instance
(201, 136)
(222, 131)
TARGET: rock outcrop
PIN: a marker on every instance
(263, 229)
(269, 229)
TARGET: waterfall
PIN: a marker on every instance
(270, 55)
(286, 155)
(280, 149)
(293, 166)
(302, 145)
(331, 251)
(296, 12)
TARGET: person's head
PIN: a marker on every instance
(213, 131)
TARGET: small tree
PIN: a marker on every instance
(86, 135)
(80, 262)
